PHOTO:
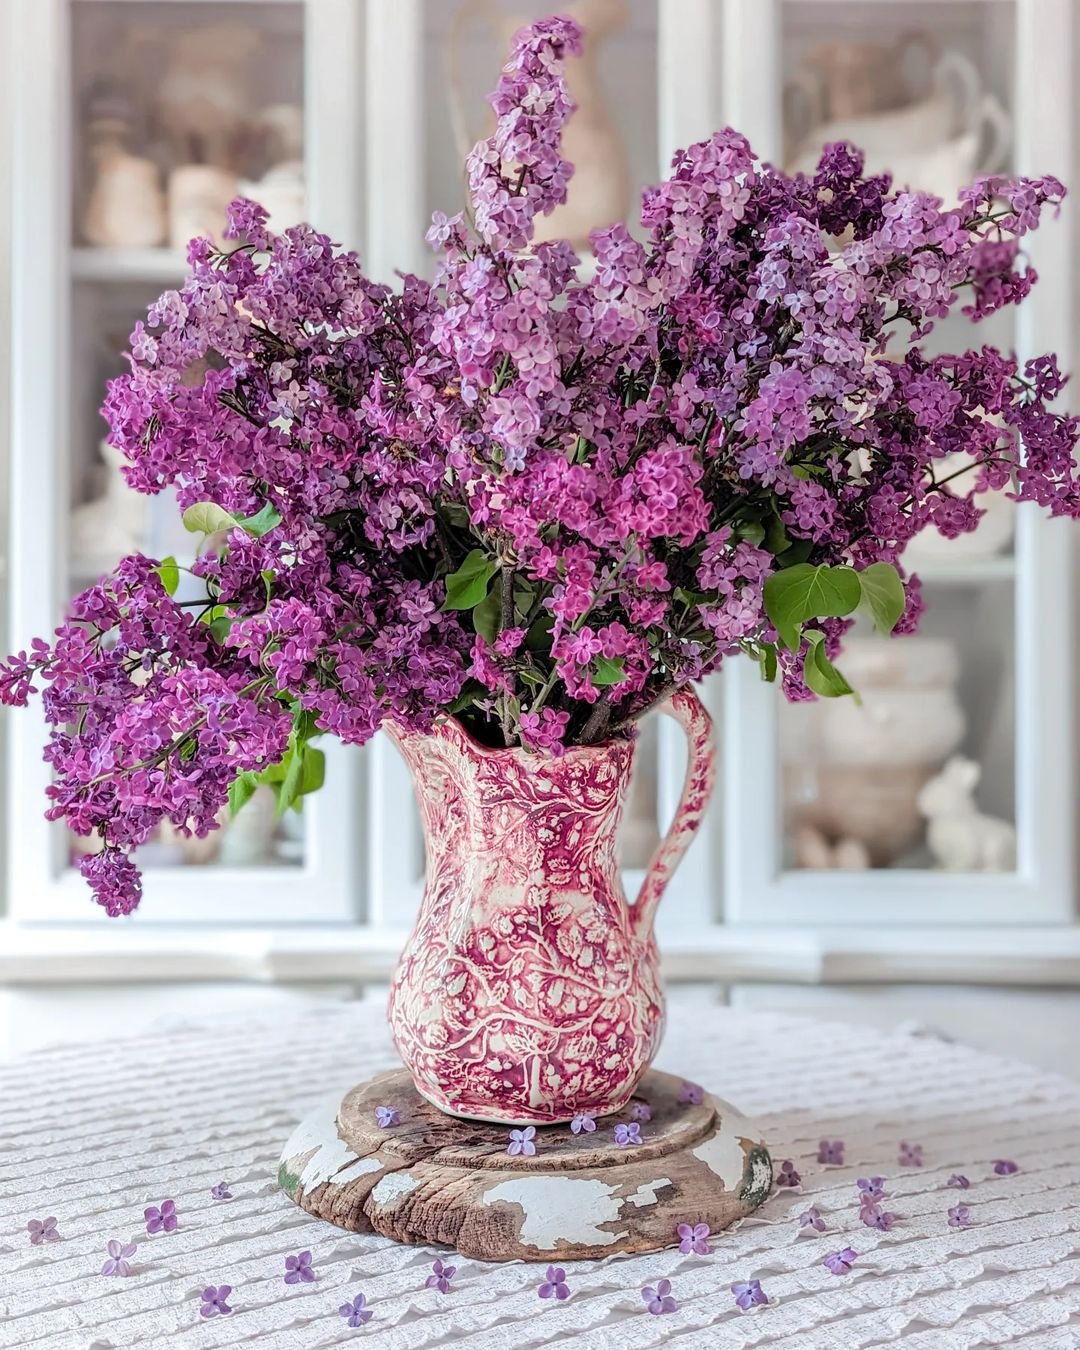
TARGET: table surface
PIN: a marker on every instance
(95, 1133)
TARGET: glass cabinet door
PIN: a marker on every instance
(922, 798)
(152, 115)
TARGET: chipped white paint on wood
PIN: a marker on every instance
(724, 1153)
(317, 1147)
(560, 1208)
(392, 1187)
(646, 1192)
(577, 1196)
(72, 1145)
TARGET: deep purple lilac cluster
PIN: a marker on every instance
(530, 498)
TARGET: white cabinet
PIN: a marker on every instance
(389, 89)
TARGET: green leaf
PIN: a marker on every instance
(752, 531)
(776, 537)
(468, 585)
(220, 627)
(241, 790)
(538, 638)
(263, 522)
(169, 572)
(268, 581)
(272, 775)
(804, 592)
(691, 598)
(472, 690)
(882, 595)
(290, 784)
(797, 552)
(313, 773)
(821, 676)
(486, 615)
(607, 671)
(207, 518)
(768, 662)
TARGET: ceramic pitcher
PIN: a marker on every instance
(529, 990)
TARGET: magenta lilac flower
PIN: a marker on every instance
(440, 1277)
(911, 1155)
(959, 1181)
(628, 1134)
(214, 1298)
(521, 1142)
(693, 1237)
(692, 1093)
(788, 1176)
(749, 1294)
(161, 1219)
(554, 1284)
(386, 1116)
(583, 1122)
(641, 1112)
(831, 1152)
(959, 1216)
(118, 1260)
(871, 1187)
(298, 1269)
(659, 1299)
(811, 1218)
(355, 1313)
(42, 1230)
(220, 1191)
(839, 1263)
(1005, 1167)
(532, 496)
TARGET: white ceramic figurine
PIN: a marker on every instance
(961, 838)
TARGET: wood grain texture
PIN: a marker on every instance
(436, 1179)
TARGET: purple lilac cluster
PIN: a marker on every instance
(532, 500)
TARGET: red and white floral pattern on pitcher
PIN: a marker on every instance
(529, 990)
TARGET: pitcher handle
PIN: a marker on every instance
(689, 711)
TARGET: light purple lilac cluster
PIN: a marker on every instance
(529, 498)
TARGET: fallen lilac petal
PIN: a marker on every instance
(839, 1263)
(749, 1294)
(693, 1238)
(213, 1300)
(554, 1285)
(659, 1299)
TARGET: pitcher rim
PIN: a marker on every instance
(402, 734)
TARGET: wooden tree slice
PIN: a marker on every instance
(436, 1179)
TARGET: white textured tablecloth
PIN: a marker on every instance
(94, 1134)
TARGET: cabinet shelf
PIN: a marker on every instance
(967, 572)
(161, 266)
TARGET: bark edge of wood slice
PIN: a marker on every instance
(437, 1180)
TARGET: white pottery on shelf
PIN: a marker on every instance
(599, 192)
(281, 187)
(281, 191)
(199, 196)
(933, 144)
(961, 837)
(126, 206)
(204, 96)
(248, 839)
(111, 526)
(852, 772)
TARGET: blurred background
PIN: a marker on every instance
(906, 861)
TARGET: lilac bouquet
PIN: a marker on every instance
(534, 500)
